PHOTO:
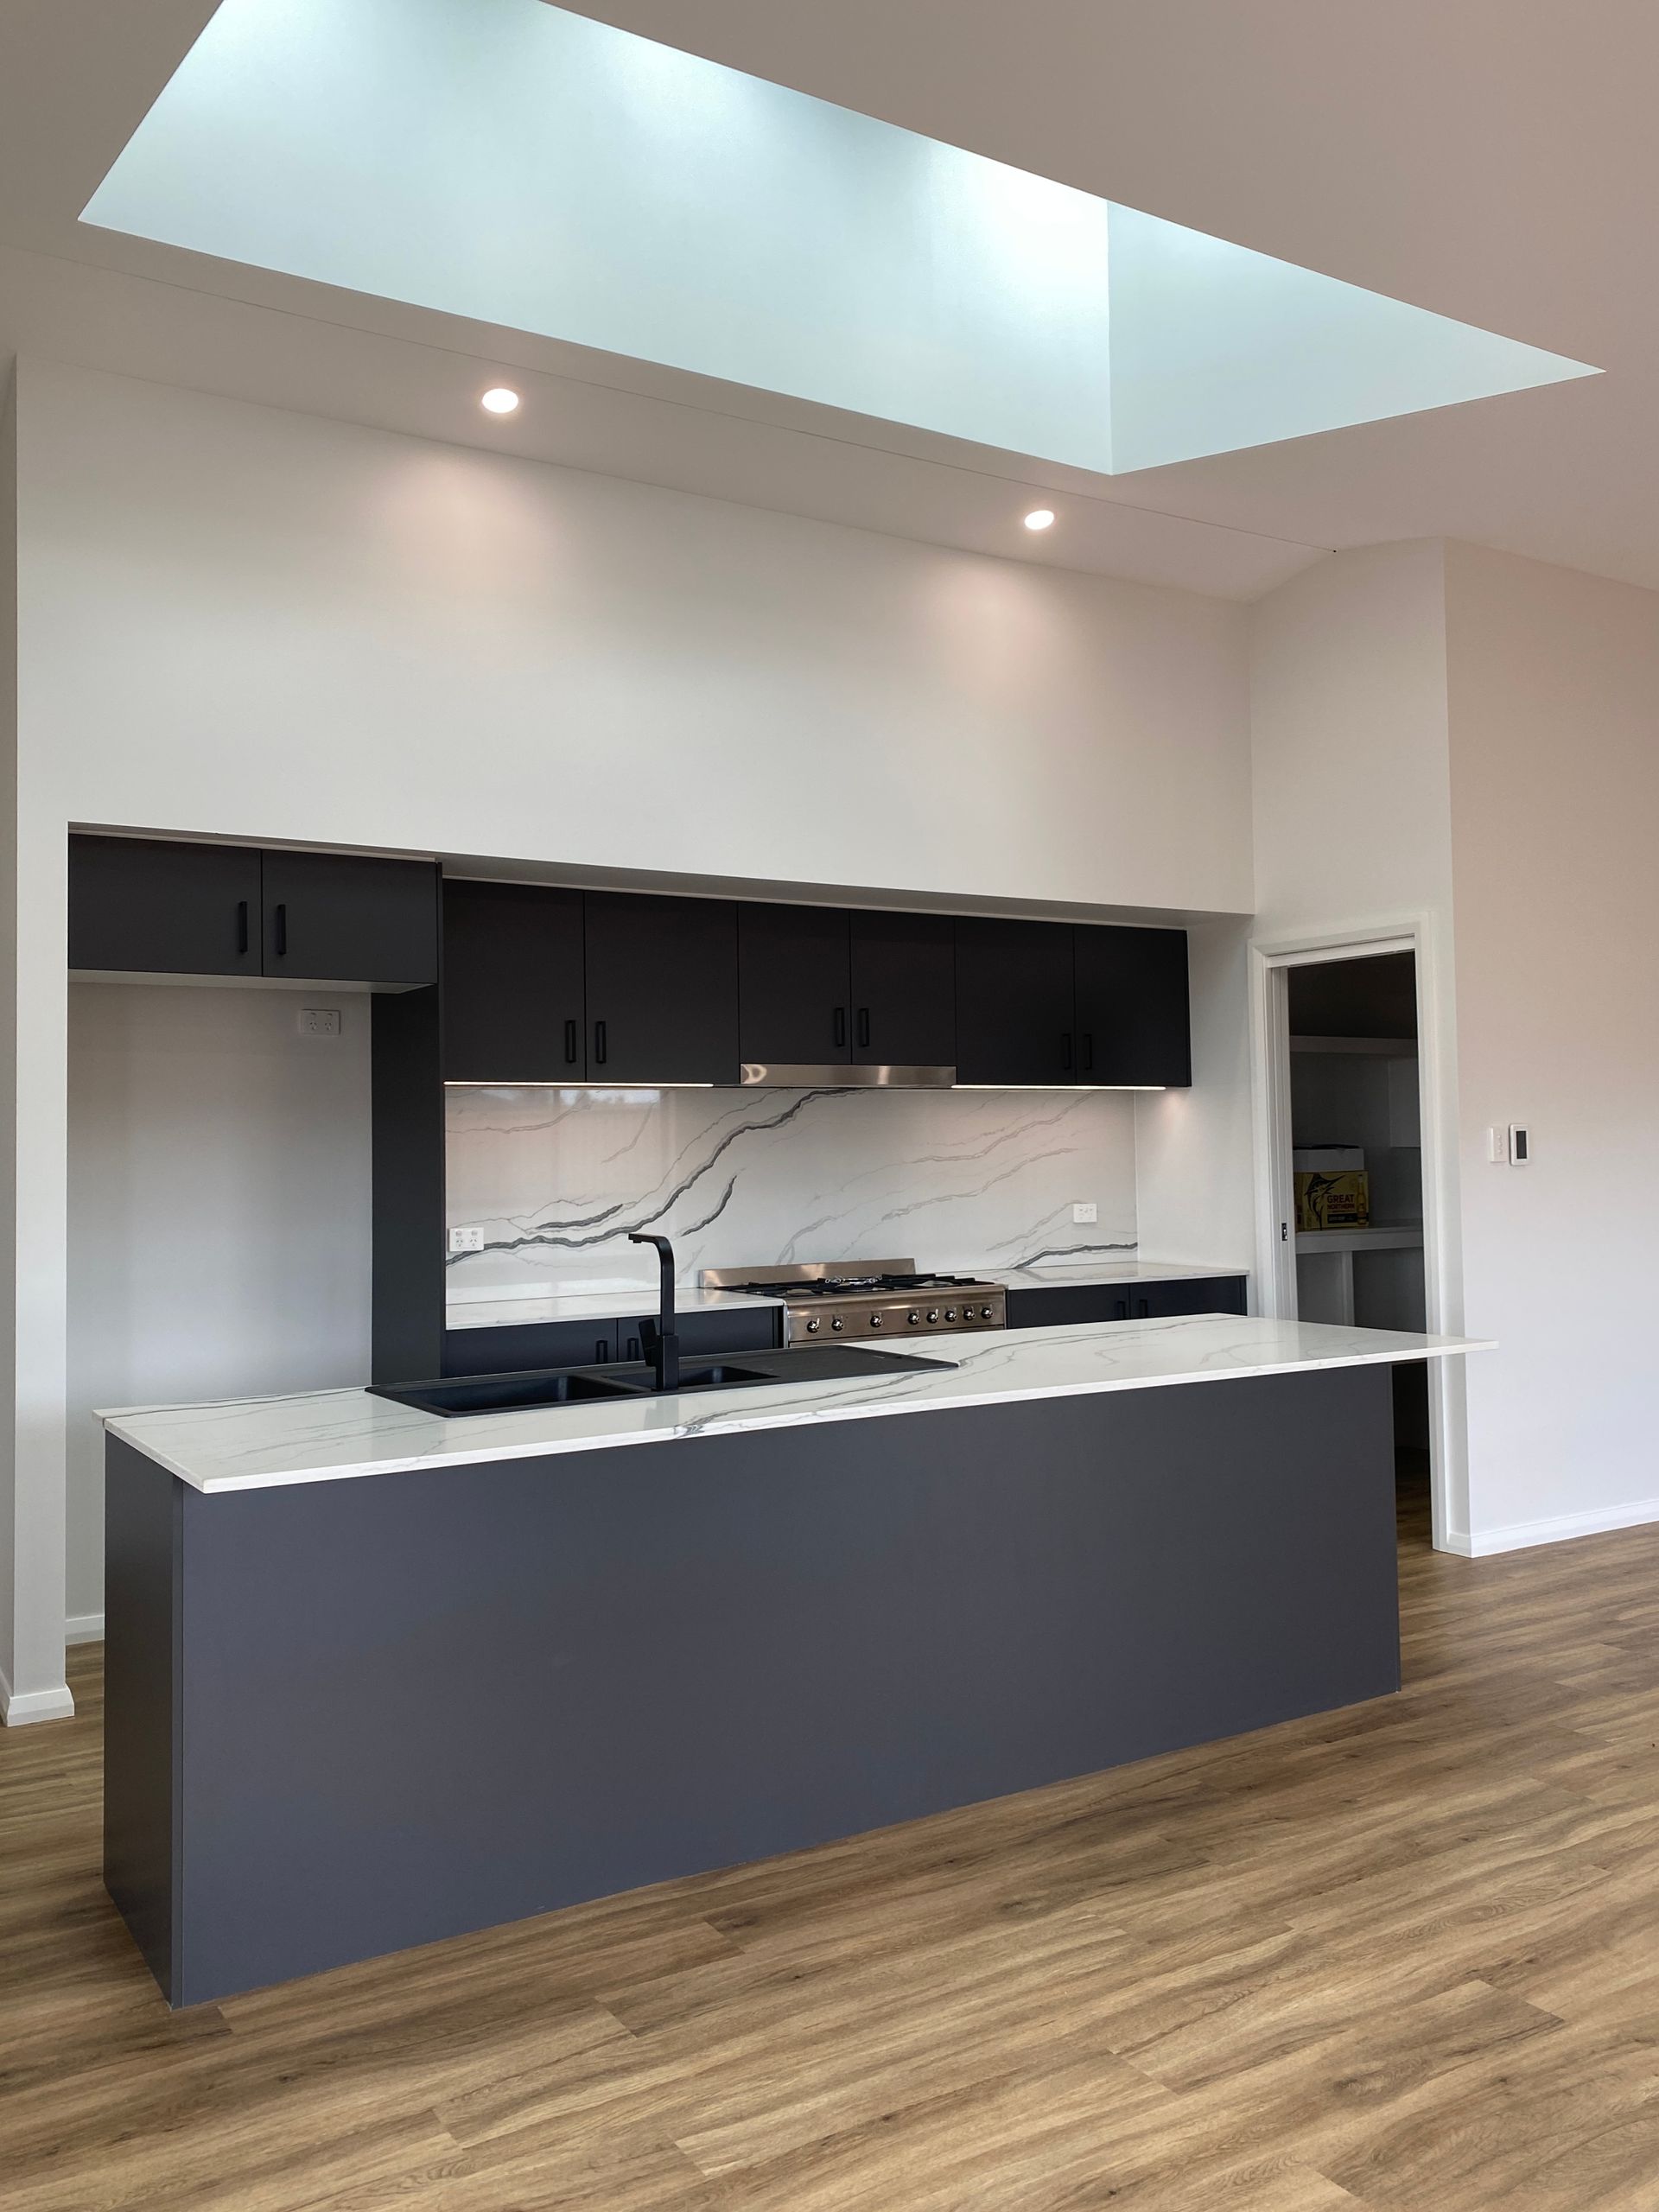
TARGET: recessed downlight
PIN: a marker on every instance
(501, 399)
(1040, 518)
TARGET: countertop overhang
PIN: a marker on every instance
(332, 1435)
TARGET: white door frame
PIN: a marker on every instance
(1270, 960)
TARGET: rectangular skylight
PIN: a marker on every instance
(510, 162)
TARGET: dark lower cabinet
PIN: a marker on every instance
(662, 990)
(793, 985)
(703, 1333)
(514, 995)
(1059, 1305)
(337, 918)
(1132, 1005)
(163, 909)
(903, 987)
(1015, 1002)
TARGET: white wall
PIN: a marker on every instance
(30, 1553)
(1352, 831)
(219, 1213)
(1555, 756)
(239, 621)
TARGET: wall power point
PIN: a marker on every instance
(319, 1021)
(467, 1240)
(1085, 1212)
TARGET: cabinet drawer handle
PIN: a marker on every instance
(1088, 1051)
(279, 926)
(863, 1026)
(1065, 1049)
(841, 1025)
(1145, 1312)
(599, 1044)
(570, 1042)
(241, 927)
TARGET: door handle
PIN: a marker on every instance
(241, 927)
(570, 1042)
(1088, 1051)
(840, 1024)
(863, 1026)
(279, 929)
(599, 1044)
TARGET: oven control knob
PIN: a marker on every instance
(984, 1312)
(813, 1327)
(837, 1324)
(932, 1312)
(949, 1312)
(875, 1320)
(913, 1318)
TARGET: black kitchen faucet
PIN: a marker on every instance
(662, 1344)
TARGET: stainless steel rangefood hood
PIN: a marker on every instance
(842, 1075)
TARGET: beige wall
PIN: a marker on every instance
(1553, 687)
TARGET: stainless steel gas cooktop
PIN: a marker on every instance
(865, 1297)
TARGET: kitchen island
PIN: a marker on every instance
(375, 1677)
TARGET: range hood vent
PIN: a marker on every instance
(840, 1075)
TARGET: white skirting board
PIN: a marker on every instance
(19, 1707)
(84, 1628)
(1522, 1535)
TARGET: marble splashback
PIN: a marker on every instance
(555, 1179)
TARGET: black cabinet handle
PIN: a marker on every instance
(841, 1025)
(241, 926)
(279, 929)
(1065, 1049)
(599, 1044)
(1145, 1311)
(570, 1042)
(863, 1026)
(1088, 1051)
(1121, 1309)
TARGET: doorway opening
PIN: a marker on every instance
(1350, 1172)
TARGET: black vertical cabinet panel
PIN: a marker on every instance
(1015, 1021)
(662, 988)
(336, 917)
(163, 909)
(1132, 1005)
(793, 984)
(514, 1000)
(407, 1266)
(1202, 1294)
(903, 1009)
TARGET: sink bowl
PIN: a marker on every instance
(507, 1393)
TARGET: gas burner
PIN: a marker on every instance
(885, 1295)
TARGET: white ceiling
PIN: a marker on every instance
(1493, 159)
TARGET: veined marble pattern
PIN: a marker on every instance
(962, 1179)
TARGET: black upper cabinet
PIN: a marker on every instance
(163, 909)
(1132, 1005)
(335, 918)
(514, 1001)
(903, 1005)
(662, 990)
(794, 985)
(1016, 1010)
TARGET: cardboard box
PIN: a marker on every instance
(1332, 1188)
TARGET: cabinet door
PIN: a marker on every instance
(903, 985)
(335, 917)
(1132, 1005)
(1014, 1002)
(794, 1006)
(662, 990)
(1201, 1295)
(513, 1008)
(161, 909)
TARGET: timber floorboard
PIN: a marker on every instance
(1402, 1956)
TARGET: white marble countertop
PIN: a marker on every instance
(1060, 1273)
(618, 1301)
(325, 1435)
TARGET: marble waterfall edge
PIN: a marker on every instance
(554, 1180)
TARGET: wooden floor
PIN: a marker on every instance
(1407, 1956)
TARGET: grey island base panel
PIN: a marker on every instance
(345, 1718)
